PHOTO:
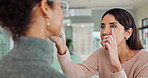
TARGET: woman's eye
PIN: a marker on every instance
(113, 26)
(62, 7)
(102, 27)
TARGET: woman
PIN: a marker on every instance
(30, 22)
(122, 55)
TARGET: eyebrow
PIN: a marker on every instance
(109, 23)
(113, 23)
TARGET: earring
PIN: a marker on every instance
(48, 23)
(126, 38)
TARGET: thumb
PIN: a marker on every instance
(62, 35)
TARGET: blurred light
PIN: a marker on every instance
(83, 26)
(68, 24)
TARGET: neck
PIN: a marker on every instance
(123, 50)
(37, 28)
(37, 31)
(125, 53)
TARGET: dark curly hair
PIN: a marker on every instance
(15, 15)
(126, 19)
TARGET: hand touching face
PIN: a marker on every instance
(112, 35)
(111, 29)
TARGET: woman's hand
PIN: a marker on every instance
(60, 42)
(110, 45)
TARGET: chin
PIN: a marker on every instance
(57, 34)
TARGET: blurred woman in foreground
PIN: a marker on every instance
(30, 23)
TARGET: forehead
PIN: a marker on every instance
(109, 18)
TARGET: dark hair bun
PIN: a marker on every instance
(15, 15)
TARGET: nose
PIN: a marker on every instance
(106, 31)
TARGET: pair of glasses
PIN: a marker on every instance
(64, 6)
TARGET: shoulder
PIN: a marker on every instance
(98, 54)
(141, 60)
(99, 51)
(52, 73)
(143, 55)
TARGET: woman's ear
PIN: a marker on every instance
(45, 9)
(128, 33)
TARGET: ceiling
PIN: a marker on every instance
(102, 4)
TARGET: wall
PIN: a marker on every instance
(95, 18)
(142, 12)
(97, 15)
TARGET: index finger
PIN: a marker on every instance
(113, 33)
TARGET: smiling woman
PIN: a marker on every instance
(121, 55)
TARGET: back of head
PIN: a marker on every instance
(126, 20)
(15, 15)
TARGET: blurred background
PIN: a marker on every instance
(82, 27)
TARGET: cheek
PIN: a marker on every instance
(101, 35)
(119, 37)
(54, 30)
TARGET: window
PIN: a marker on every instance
(145, 32)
